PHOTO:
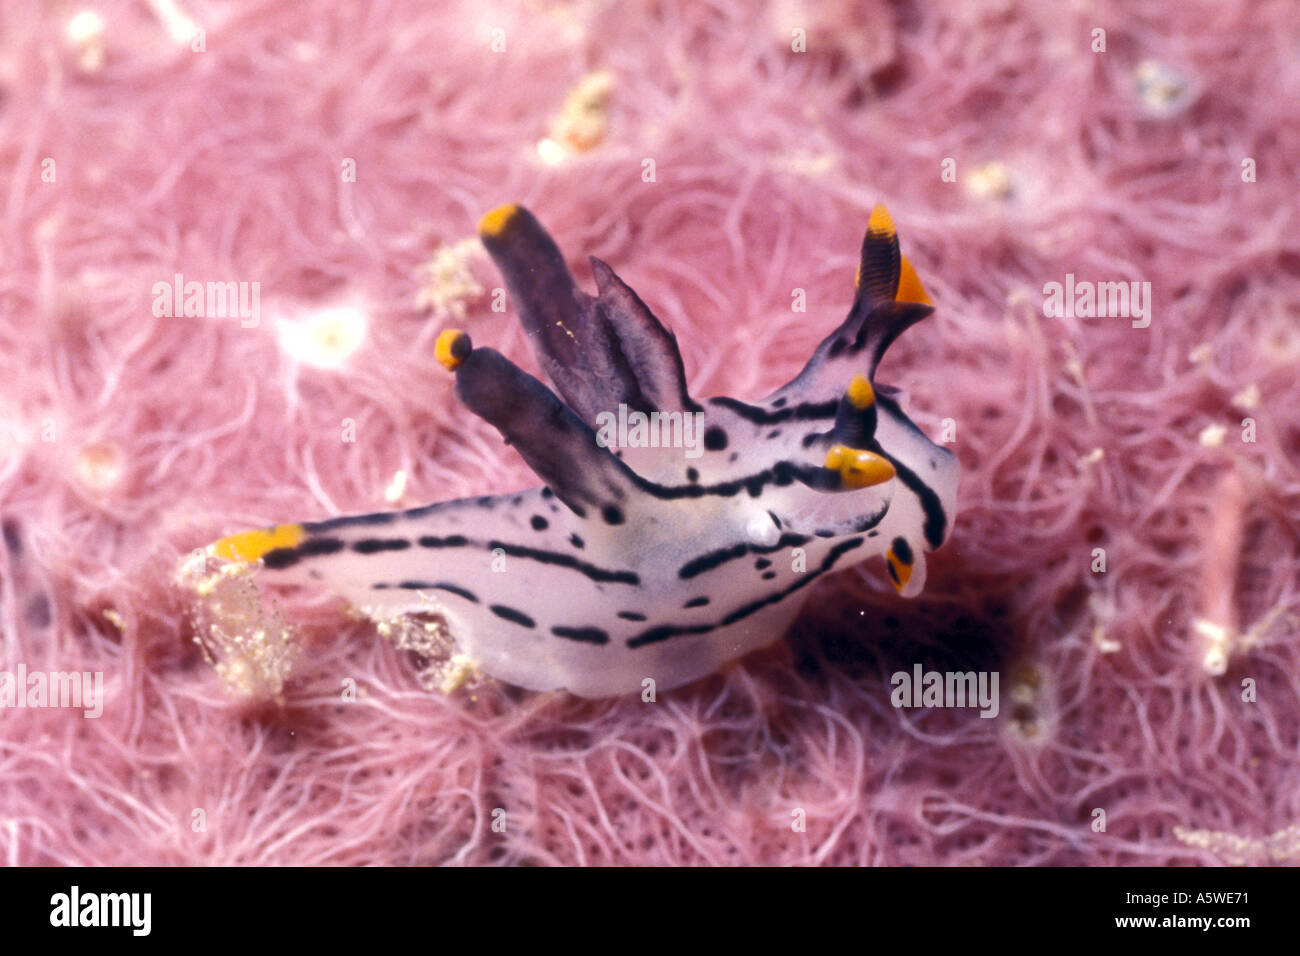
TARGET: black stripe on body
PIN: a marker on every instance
(377, 545)
(429, 586)
(713, 559)
(936, 520)
(587, 635)
(566, 561)
(511, 615)
(287, 557)
(665, 631)
(805, 411)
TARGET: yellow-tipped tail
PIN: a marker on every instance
(251, 545)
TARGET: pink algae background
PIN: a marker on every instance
(131, 439)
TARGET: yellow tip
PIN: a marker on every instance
(865, 469)
(859, 468)
(880, 222)
(251, 545)
(860, 393)
(902, 572)
(495, 222)
(909, 285)
(452, 348)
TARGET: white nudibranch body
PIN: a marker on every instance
(644, 562)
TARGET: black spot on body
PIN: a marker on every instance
(631, 616)
(539, 523)
(779, 403)
(774, 433)
(762, 564)
(768, 575)
(576, 541)
(715, 438)
(697, 602)
(692, 475)
(612, 514)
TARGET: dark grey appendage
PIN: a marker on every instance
(647, 349)
(555, 443)
(599, 351)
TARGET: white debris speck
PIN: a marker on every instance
(447, 281)
(1212, 436)
(85, 35)
(326, 338)
(1247, 399)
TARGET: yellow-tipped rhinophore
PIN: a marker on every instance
(858, 467)
(452, 348)
(909, 285)
(251, 545)
(495, 222)
(861, 394)
(880, 222)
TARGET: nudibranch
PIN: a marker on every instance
(639, 558)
